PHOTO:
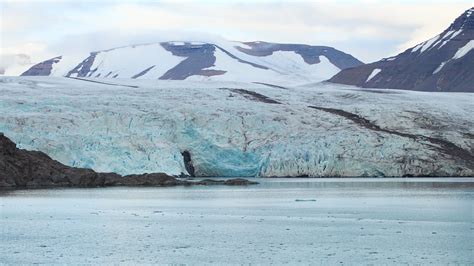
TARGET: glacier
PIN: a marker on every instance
(142, 126)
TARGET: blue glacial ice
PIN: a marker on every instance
(145, 129)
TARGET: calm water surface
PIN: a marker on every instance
(294, 221)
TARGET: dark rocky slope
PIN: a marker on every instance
(309, 53)
(43, 68)
(33, 169)
(434, 65)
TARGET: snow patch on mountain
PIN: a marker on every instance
(373, 74)
(464, 50)
(417, 47)
(65, 64)
(237, 71)
(293, 63)
(438, 69)
(127, 62)
(428, 44)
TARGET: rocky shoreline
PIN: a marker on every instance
(33, 169)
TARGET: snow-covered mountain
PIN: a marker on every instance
(239, 129)
(443, 63)
(220, 60)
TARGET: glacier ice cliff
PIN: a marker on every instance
(229, 129)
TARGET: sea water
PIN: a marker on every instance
(279, 221)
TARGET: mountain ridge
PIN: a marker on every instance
(444, 63)
(221, 60)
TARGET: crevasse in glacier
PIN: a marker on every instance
(146, 127)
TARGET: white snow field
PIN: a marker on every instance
(217, 60)
(239, 129)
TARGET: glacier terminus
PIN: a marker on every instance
(239, 128)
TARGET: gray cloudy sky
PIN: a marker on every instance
(368, 29)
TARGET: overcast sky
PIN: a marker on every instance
(367, 29)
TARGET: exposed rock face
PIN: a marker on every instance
(239, 182)
(443, 63)
(228, 182)
(42, 69)
(309, 53)
(33, 169)
(139, 74)
(154, 179)
(198, 57)
(188, 163)
(84, 68)
(21, 168)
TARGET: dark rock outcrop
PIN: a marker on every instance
(42, 69)
(227, 182)
(33, 169)
(143, 72)
(429, 66)
(309, 53)
(21, 168)
(188, 163)
(153, 180)
(239, 182)
(198, 57)
(255, 96)
(84, 68)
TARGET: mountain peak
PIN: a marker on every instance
(442, 63)
(465, 21)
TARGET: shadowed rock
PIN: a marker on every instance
(429, 66)
(443, 146)
(84, 68)
(198, 58)
(255, 96)
(33, 169)
(42, 69)
(142, 72)
(228, 182)
(188, 163)
(309, 53)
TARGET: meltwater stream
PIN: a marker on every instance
(306, 221)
